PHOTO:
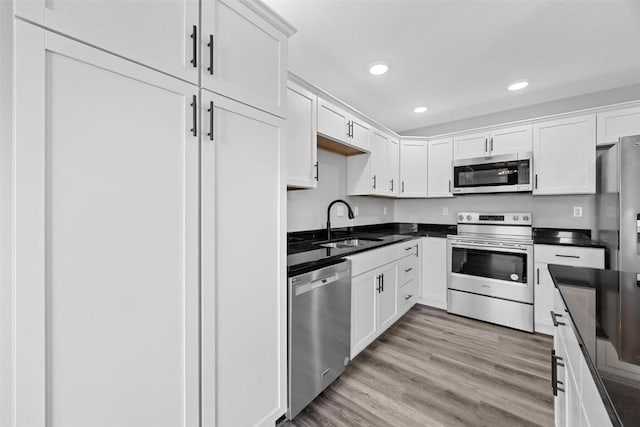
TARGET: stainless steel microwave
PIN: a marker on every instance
(493, 174)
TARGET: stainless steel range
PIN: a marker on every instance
(490, 264)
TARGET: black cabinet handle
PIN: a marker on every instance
(391, 185)
(351, 126)
(568, 256)
(555, 320)
(194, 43)
(538, 276)
(317, 171)
(486, 145)
(406, 270)
(374, 182)
(491, 145)
(382, 283)
(379, 279)
(348, 129)
(554, 373)
(408, 297)
(194, 107)
(403, 186)
(210, 110)
(210, 46)
(417, 251)
(536, 182)
(449, 186)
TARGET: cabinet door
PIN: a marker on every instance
(434, 272)
(614, 124)
(244, 158)
(155, 33)
(413, 168)
(360, 132)
(302, 151)
(393, 167)
(471, 145)
(560, 400)
(440, 169)
(332, 121)
(387, 297)
(106, 239)
(363, 310)
(244, 57)
(378, 159)
(543, 299)
(511, 140)
(564, 156)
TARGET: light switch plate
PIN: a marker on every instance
(340, 210)
(577, 211)
(445, 211)
(356, 211)
(384, 210)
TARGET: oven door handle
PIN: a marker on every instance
(489, 246)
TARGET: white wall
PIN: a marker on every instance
(590, 100)
(307, 209)
(548, 211)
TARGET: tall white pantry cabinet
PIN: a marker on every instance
(138, 198)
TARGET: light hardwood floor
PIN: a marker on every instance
(436, 369)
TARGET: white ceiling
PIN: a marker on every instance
(457, 56)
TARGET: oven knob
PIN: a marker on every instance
(526, 218)
(460, 217)
(515, 217)
(468, 217)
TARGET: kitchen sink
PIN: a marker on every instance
(352, 242)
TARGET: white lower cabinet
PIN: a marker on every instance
(433, 291)
(378, 293)
(232, 338)
(544, 287)
(106, 227)
(577, 401)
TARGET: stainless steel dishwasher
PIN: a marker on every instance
(319, 331)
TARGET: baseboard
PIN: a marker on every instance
(432, 303)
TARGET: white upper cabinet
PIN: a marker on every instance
(493, 143)
(378, 160)
(393, 166)
(413, 168)
(339, 125)
(302, 152)
(106, 239)
(614, 124)
(510, 140)
(564, 156)
(471, 145)
(244, 54)
(333, 121)
(440, 169)
(159, 34)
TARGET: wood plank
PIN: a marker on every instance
(436, 369)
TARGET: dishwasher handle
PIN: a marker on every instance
(305, 287)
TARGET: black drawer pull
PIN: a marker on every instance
(568, 256)
(406, 270)
(554, 319)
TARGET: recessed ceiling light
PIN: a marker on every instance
(420, 109)
(378, 69)
(519, 85)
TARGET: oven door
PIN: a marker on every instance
(497, 269)
(506, 173)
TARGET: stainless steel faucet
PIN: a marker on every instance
(350, 214)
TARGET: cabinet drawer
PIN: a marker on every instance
(569, 255)
(407, 270)
(365, 261)
(407, 296)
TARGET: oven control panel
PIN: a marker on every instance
(517, 218)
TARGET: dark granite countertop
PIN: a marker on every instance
(617, 319)
(303, 254)
(565, 237)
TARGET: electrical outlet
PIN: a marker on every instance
(356, 211)
(577, 211)
(384, 210)
(340, 210)
(445, 211)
